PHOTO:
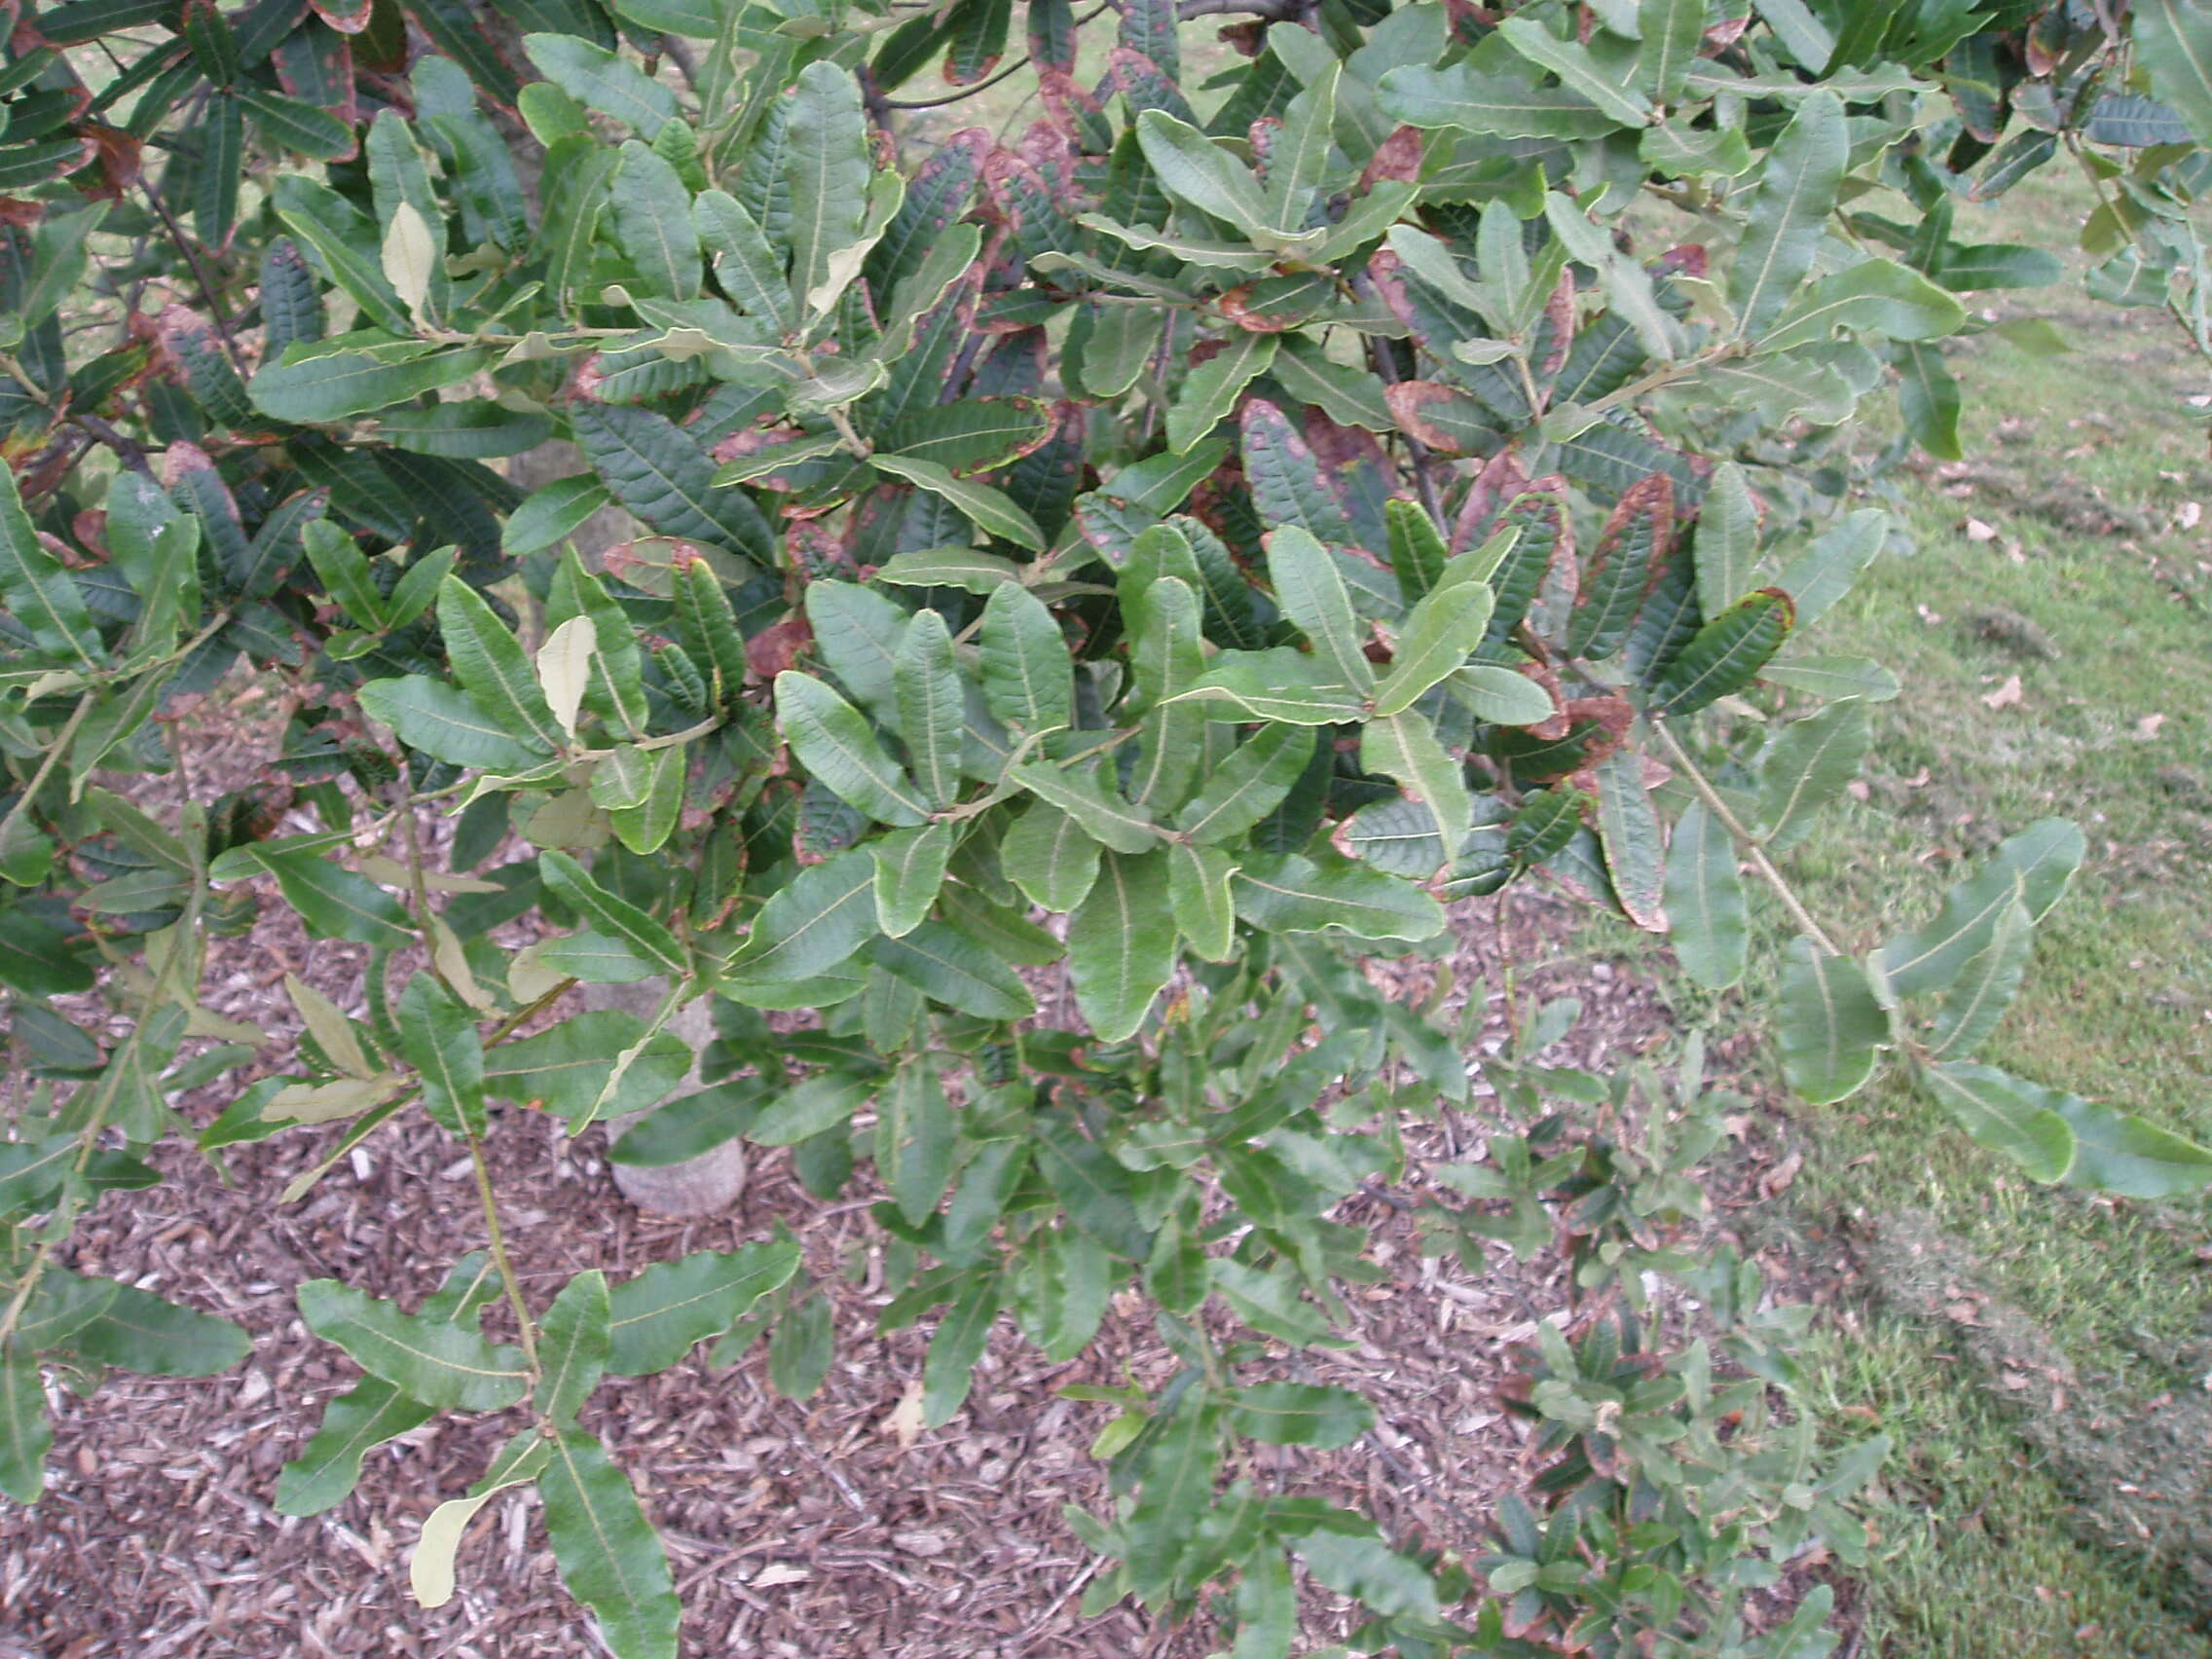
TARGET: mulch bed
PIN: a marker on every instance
(820, 1529)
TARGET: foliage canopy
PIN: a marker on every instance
(1178, 548)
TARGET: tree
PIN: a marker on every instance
(1236, 518)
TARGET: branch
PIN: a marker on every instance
(1009, 70)
(1268, 10)
(215, 310)
(1729, 822)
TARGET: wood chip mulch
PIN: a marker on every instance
(795, 1531)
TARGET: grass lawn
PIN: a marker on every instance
(2060, 666)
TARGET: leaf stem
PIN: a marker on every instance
(497, 1240)
(46, 763)
(1729, 822)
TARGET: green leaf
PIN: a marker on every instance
(1249, 784)
(1418, 549)
(430, 1360)
(25, 1436)
(1703, 895)
(1167, 657)
(1312, 592)
(617, 918)
(1440, 634)
(650, 213)
(1494, 105)
(1725, 655)
(1578, 70)
(2173, 42)
(1193, 169)
(1629, 831)
(59, 257)
(1727, 541)
(572, 1347)
(914, 1138)
(335, 902)
(909, 873)
(2115, 1151)
(1122, 341)
(1500, 696)
(1176, 1496)
(811, 1108)
(1985, 987)
(833, 741)
(609, 1557)
(825, 168)
(1829, 1025)
(1879, 296)
(366, 1415)
(438, 1037)
(1619, 574)
(657, 469)
(1082, 793)
(574, 184)
(222, 165)
(1289, 893)
(801, 1348)
(932, 710)
(1027, 674)
(955, 1348)
(1299, 1414)
(691, 1125)
(290, 124)
(567, 1069)
(1198, 892)
(607, 82)
(1121, 944)
(2035, 867)
(1365, 1568)
(1825, 572)
(750, 270)
(1095, 1188)
(334, 384)
(1284, 685)
(1669, 33)
(344, 570)
(1211, 389)
(1929, 400)
(1050, 856)
(657, 1317)
(2005, 1114)
(813, 924)
(447, 724)
(37, 591)
(946, 966)
(1404, 747)
(492, 666)
(1298, 157)
(140, 1331)
(992, 511)
(1834, 678)
(1789, 211)
(1806, 766)
(949, 566)
(1267, 1606)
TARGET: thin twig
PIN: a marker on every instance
(220, 316)
(1772, 876)
(499, 1244)
(1008, 73)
